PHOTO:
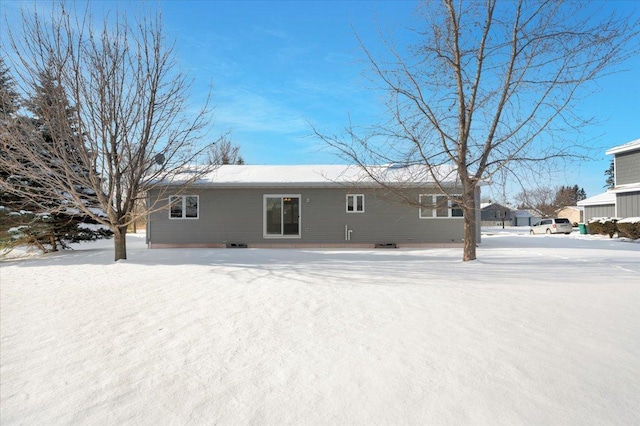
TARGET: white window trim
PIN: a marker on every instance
(434, 210)
(184, 207)
(264, 216)
(355, 203)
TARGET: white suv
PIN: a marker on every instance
(552, 226)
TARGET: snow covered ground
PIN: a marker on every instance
(539, 330)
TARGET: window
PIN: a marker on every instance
(281, 216)
(184, 207)
(355, 203)
(456, 210)
(438, 206)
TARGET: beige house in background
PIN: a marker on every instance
(575, 214)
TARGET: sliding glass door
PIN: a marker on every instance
(281, 216)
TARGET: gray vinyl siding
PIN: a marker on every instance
(628, 204)
(235, 215)
(604, 210)
(496, 214)
(627, 168)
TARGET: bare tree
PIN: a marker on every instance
(130, 107)
(489, 87)
(540, 199)
(225, 152)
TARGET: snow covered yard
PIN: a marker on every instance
(539, 330)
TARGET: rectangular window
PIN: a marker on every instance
(456, 210)
(355, 203)
(184, 207)
(281, 216)
(432, 205)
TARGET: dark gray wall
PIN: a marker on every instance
(495, 213)
(627, 168)
(235, 215)
(606, 210)
(628, 204)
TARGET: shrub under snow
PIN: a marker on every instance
(627, 227)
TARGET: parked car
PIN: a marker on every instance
(552, 226)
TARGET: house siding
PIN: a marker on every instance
(627, 168)
(628, 204)
(495, 214)
(603, 210)
(235, 215)
(573, 214)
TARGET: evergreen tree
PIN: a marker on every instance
(610, 183)
(568, 196)
(38, 218)
(11, 218)
(9, 99)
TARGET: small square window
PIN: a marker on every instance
(355, 203)
(183, 207)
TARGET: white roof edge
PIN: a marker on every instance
(297, 184)
(322, 176)
(632, 187)
(629, 146)
(600, 199)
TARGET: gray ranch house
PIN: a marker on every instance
(307, 206)
(623, 200)
(495, 214)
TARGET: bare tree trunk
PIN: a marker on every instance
(470, 225)
(470, 241)
(120, 242)
(52, 241)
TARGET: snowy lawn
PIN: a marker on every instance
(539, 330)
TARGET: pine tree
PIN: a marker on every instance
(50, 105)
(42, 220)
(568, 196)
(610, 183)
(9, 99)
(11, 218)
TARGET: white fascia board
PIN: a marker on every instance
(629, 146)
(605, 198)
(632, 187)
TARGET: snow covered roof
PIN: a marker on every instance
(629, 146)
(630, 187)
(576, 208)
(486, 205)
(526, 213)
(604, 198)
(320, 175)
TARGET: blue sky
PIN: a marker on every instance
(277, 66)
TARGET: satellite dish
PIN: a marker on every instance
(159, 159)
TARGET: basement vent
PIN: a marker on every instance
(386, 245)
(236, 245)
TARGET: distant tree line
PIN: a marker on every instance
(547, 201)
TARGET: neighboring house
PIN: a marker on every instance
(494, 214)
(526, 217)
(304, 206)
(573, 213)
(624, 199)
(601, 205)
